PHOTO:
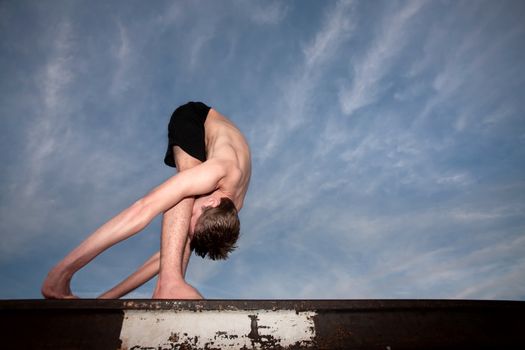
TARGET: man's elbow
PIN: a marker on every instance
(219, 168)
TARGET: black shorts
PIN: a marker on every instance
(186, 130)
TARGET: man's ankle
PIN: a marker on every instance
(168, 282)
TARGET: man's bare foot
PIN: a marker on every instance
(56, 286)
(177, 291)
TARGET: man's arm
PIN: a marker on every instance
(202, 179)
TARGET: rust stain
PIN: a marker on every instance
(266, 341)
(174, 337)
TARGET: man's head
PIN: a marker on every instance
(217, 228)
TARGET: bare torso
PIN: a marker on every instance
(225, 142)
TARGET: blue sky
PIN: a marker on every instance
(388, 141)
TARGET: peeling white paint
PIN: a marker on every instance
(162, 329)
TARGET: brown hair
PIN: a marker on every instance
(216, 231)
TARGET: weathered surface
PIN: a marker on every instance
(268, 324)
(211, 329)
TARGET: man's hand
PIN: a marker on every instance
(180, 290)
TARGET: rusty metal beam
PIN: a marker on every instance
(261, 324)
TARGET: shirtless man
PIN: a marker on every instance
(200, 205)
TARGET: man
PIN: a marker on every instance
(200, 205)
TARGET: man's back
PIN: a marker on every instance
(225, 143)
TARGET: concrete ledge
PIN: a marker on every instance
(261, 324)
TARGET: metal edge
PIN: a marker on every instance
(339, 305)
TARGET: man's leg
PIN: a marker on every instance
(175, 245)
(169, 229)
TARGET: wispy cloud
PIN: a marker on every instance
(338, 26)
(467, 70)
(370, 69)
(49, 132)
(292, 108)
(267, 12)
(286, 116)
(373, 265)
(59, 157)
(386, 138)
(121, 52)
(47, 136)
